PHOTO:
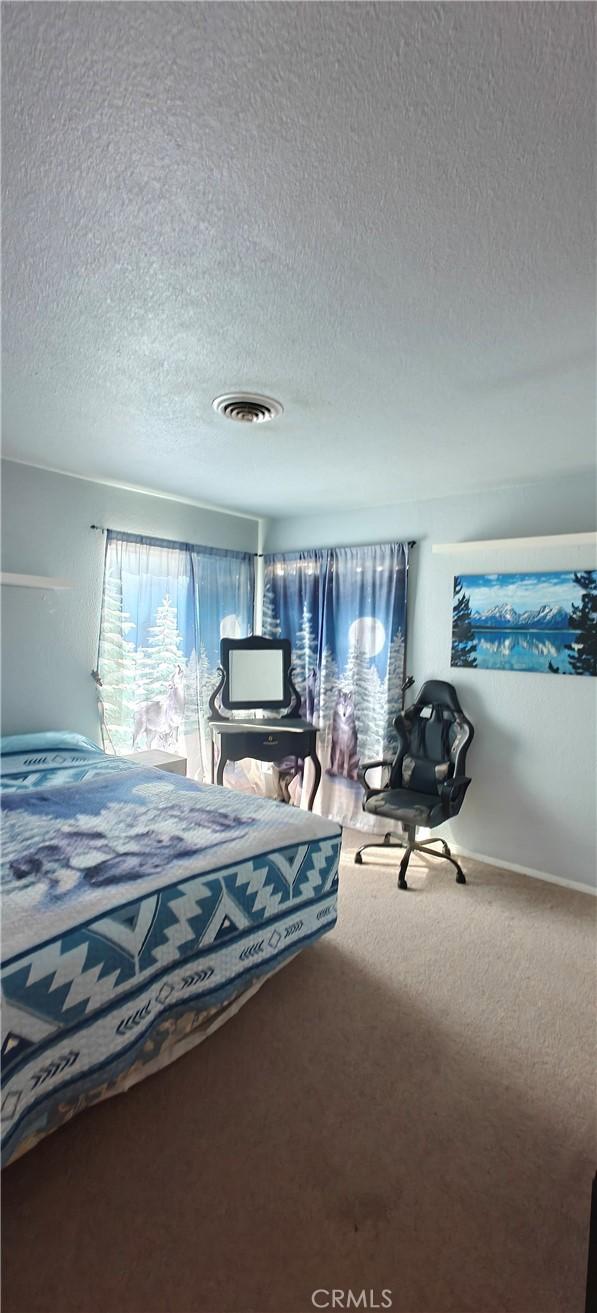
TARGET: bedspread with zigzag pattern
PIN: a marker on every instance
(128, 895)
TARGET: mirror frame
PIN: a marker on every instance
(256, 643)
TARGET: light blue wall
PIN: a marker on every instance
(49, 639)
(532, 801)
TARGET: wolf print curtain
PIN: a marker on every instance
(344, 611)
(165, 607)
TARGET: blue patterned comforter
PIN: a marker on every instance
(127, 895)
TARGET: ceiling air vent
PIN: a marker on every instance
(247, 407)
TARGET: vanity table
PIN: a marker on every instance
(266, 740)
(256, 676)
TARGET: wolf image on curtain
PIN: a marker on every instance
(161, 718)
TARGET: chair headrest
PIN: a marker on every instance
(438, 693)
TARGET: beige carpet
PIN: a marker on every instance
(408, 1105)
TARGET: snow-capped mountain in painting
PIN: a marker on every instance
(506, 616)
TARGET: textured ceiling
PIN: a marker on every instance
(381, 214)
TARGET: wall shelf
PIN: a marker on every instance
(33, 581)
(550, 540)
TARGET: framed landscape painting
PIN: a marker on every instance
(536, 622)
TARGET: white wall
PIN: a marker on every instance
(532, 801)
(49, 639)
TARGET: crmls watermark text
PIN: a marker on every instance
(351, 1299)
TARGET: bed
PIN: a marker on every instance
(140, 910)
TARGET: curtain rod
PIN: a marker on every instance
(411, 543)
(101, 528)
(133, 533)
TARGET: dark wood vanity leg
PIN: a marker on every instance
(317, 766)
(221, 766)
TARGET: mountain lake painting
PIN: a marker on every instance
(537, 622)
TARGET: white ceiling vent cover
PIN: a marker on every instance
(247, 407)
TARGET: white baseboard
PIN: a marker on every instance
(524, 870)
(373, 835)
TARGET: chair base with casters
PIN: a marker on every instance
(409, 842)
(426, 784)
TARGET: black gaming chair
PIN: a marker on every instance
(427, 782)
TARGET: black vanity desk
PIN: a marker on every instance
(265, 740)
(256, 676)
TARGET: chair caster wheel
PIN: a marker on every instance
(402, 884)
(358, 859)
(461, 878)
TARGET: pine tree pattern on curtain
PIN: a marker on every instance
(165, 607)
(344, 611)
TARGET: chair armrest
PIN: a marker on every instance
(452, 793)
(371, 765)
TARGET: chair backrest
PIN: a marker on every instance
(434, 736)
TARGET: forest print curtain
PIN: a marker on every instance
(165, 607)
(344, 611)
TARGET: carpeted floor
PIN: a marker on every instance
(409, 1105)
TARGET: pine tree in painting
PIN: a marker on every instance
(200, 681)
(270, 621)
(583, 619)
(394, 682)
(143, 674)
(191, 694)
(360, 678)
(327, 690)
(373, 742)
(162, 654)
(464, 643)
(304, 654)
(117, 664)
